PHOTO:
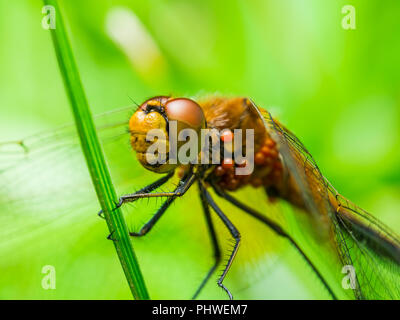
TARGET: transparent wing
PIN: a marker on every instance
(41, 175)
(374, 248)
(361, 240)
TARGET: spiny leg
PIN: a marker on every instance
(235, 234)
(149, 224)
(179, 191)
(275, 227)
(214, 241)
(183, 186)
(149, 188)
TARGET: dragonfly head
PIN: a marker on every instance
(156, 125)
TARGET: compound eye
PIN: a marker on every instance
(186, 111)
(157, 101)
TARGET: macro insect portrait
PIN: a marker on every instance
(199, 150)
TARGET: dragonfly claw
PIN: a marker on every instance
(110, 236)
(101, 214)
(117, 205)
(226, 290)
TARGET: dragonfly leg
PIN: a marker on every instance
(180, 190)
(149, 224)
(183, 186)
(235, 234)
(110, 236)
(214, 240)
(275, 227)
(149, 188)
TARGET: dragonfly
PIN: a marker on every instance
(283, 170)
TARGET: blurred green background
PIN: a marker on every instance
(337, 89)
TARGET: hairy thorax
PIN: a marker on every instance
(239, 113)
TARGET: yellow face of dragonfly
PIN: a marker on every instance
(161, 114)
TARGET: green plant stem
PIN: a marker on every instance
(94, 157)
